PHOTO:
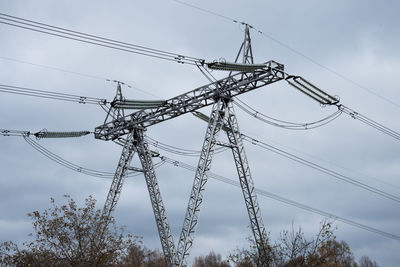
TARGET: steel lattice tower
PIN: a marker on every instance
(220, 94)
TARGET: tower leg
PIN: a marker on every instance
(247, 185)
(160, 214)
(119, 177)
(196, 195)
(116, 187)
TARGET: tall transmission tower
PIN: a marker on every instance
(130, 131)
(219, 94)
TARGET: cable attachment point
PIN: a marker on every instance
(5, 132)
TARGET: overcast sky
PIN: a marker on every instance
(356, 39)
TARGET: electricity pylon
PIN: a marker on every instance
(223, 114)
(219, 93)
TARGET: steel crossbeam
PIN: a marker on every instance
(159, 211)
(196, 195)
(201, 97)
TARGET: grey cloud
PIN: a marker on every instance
(358, 39)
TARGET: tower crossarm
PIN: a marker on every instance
(230, 86)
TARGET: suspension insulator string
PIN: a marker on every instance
(46, 134)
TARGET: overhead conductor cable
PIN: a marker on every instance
(96, 40)
(285, 124)
(310, 164)
(285, 200)
(51, 95)
(324, 98)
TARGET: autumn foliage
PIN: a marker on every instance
(73, 236)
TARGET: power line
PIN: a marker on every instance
(96, 40)
(205, 10)
(51, 95)
(334, 164)
(320, 168)
(314, 165)
(179, 151)
(61, 161)
(54, 68)
(311, 125)
(288, 155)
(285, 200)
(370, 122)
(72, 166)
(64, 162)
(285, 124)
(164, 159)
(324, 98)
(295, 158)
(18, 26)
(74, 73)
(5, 132)
(315, 62)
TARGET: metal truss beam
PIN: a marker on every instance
(247, 185)
(196, 195)
(230, 86)
(119, 177)
(159, 211)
